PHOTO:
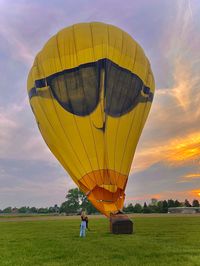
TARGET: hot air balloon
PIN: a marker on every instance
(91, 89)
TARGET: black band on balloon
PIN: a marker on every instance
(32, 93)
(77, 90)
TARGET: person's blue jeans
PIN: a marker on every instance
(82, 229)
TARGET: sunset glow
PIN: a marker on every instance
(194, 193)
(180, 151)
(185, 150)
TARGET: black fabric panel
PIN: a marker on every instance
(40, 83)
(32, 93)
(122, 90)
(146, 90)
(77, 90)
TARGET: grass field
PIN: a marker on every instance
(158, 240)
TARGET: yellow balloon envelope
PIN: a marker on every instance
(91, 89)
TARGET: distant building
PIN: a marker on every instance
(187, 210)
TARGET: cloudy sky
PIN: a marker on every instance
(167, 160)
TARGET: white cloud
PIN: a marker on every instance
(20, 138)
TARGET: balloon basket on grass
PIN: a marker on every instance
(120, 224)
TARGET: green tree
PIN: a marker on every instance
(177, 203)
(33, 210)
(43, 210)
(195, 203)
(76, 200)
(170, 203)
(187, 203)
(7, 210)
(72, 203)
(137, 208)
(51, 209)
(154, 201)
(56, 208)
(165, 206)
(162, 206)
(129, 208)
(23, 209)
(153, 208)
(146, 208)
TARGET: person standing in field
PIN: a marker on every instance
(83, 225)
(87, 222)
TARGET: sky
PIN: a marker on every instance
(167, 160)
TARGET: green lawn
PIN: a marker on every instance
(156, 241)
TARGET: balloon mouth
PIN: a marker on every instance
(105, 189)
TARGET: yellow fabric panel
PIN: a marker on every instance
(111, 188)
(49, 58)
(82, 37)
(86, 133)
(110, 208)
(83, 47)
(34, 75)
(53, 135)
(66, 47)
(119, 134)
(110, 146)
(123, 134)
(140, 67)
(115, 43)
(77, 131)
(98, 142)
(134, 136)
(99, 40)
(98, 116)
(30, 80)
(150, 81)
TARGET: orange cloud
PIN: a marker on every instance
(185, 150)
(192, 176)
(195, 193)
(181, 195)
(165, 195)
(178, 151)
(188, 178)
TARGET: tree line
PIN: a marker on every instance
(76, 201)
(156, 206)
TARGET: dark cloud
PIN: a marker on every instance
(32, 182)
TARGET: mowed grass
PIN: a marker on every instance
(157, 241)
